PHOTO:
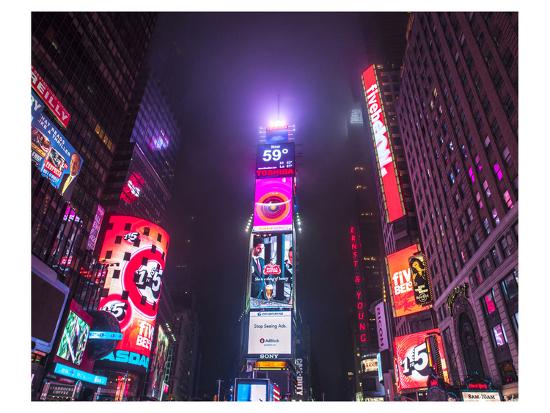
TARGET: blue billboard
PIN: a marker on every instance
(52, 154)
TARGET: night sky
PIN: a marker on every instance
(224, 72)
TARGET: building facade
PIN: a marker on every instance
(366, 259)
(457, 112)
(141, 178)
(83, 74)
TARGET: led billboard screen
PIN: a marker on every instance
(269, 332)
(273, 205)
(74, 339)
(135, 250)
(415, 356)
(158, 366)
(384, 153)
(275, 160)
(51, 100)
(53, 155)
(421, 281)
(400, 280)
(271, 271)
(251, 390)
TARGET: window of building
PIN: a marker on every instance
(478, 163)
(479, 200)
(487, 266)
(486, 226)
(498, 172)
(508, 199)
(499, 335)
(451, 178)
(510, 286)
(470, 214)
(472, 175)
(486, 188)
(507, 155)
(489, 304)
(496, 219)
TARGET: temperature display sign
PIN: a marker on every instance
(275, 160)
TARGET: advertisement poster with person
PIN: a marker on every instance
(53, 155)
(158, 366)
(401, 270)
(271, 271)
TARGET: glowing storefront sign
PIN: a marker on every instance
(384, 153)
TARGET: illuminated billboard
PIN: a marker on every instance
(275, 160)
(415, 357)
(271, 271)
(51, 100)
(251, 390)
(158, 366)
(53, 155)
(133, 188)
(384, 153)
(273, 205)
(422, 285)
(74, 339)
(269, 332)
(401, 282)
(135, 251)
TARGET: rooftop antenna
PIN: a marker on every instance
(278, 105)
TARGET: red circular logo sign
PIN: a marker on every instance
(142, 280)
(121, 309)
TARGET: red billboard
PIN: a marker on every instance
(384, 153)
(415, 356)
(401, 282)
(135, 251)
(46, 94)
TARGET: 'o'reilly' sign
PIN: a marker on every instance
(46, 94)
(384, 155)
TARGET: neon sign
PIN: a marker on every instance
(384, 153)
(358, 280)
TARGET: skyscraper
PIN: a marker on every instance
(457, 112)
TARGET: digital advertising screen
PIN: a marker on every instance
(53, 155)
(276, 134)
(273, 205)
(415, 357)
(421, 280)
(74, 339)
(270, 332)
(384, 153)
(135, 250)
(49, 98)
(158, 366)
(275, 160)
(250, 390)
(401, 282)
(271, 271)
